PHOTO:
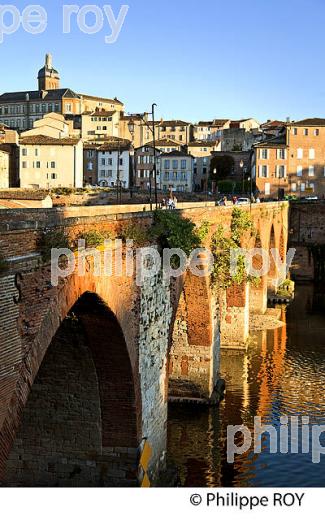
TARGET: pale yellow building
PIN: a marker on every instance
(51, 125)
(47, 162)
(100, 125)
(4, 169)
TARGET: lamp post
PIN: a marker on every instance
(131, 127)
(241, 166)
(215, 171)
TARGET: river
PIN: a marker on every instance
(282, 374)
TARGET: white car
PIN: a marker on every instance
(242, 200)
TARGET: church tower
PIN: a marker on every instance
(48, 77)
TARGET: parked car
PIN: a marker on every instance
(242, 200)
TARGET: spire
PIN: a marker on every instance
(48, 77)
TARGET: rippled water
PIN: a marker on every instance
(281, 374)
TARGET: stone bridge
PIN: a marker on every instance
(87, 367)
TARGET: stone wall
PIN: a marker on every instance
(155, 320)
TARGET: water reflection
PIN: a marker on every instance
(282, 373)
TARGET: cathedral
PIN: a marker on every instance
(20, 110)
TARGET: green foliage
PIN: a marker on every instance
(134, 232)
(203, 230)
(240, 223)
(63, 191)
(94, 238)
(226, 187)
(224, 166)
(235, 187)
(171, 230)
(222, 246)
(53, 239)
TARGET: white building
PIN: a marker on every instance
(46, 162)
(175, 171)
(114, 164)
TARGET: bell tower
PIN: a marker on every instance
(48, 77)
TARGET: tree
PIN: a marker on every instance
(221, 167)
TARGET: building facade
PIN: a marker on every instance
(4, 170)
(144, 166)
(175, 172)
(175, 130)
(46, 162)
(20, 110)
(114, 164)
(210, 130)
(294, 162)
(90, 163)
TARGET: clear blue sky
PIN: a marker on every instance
(195, 59)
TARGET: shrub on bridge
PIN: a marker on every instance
(134, 232)
(53, 239)
(171, 230)
(94, 238)
(221, 247)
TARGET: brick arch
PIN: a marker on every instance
(191, 339)
(116, 368)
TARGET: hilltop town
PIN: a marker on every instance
(54, 138)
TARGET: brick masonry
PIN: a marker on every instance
(129, 339)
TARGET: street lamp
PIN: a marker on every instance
(215, 171)
(241, 166)
(131, 127)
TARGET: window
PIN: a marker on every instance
(264, 153)
(183, 164)
(36, 152)
(316, 132)
(167, 164)
(24, 152)
(312, 186)
(267, 188)
(293, 186)
(68, 107)
(306, 132)
(37, 164)
(25, 164)
(295, 131)
(299, 171)
(90, 166)
(264, 171)
(54, 176)
(311, 171)
(311, 153)
(281, 171)
(90, 153)
(103, 162)
(52, 164)
(302, 186)
(300, 153)
(281, 153)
